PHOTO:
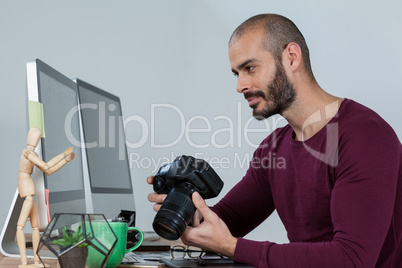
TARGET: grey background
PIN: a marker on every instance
(175, 52)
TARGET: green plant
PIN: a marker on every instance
(71, 238)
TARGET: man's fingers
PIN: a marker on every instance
(200, 204)
(150, 179)
(154, 197)
(157, 207)
(157, 198)
(196, 220)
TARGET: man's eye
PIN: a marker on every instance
(236, 74)
(250, 68)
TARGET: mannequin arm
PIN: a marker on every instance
(60, 164)
(34, 158)
(60, 157)
(54, 164)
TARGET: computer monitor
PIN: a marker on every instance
(52, 106)
(107, 162)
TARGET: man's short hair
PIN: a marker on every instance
(279, 32)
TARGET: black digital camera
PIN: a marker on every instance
(179, 180)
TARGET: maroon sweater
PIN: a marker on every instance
(339, 195)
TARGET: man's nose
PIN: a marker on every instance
(243, 84)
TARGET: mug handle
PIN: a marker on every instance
(139, 241)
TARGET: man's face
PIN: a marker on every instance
(261, 78)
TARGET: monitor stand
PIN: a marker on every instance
(8, 244)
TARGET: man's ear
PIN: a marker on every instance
(292, 56)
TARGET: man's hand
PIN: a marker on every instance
(159, 198)
(212, 234)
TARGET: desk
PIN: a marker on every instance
(6, 262)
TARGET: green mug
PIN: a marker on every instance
(120, 229)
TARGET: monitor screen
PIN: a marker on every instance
(105, 146)
(59, 99)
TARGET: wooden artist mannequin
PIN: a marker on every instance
(26, 189)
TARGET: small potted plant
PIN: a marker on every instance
(73, 257)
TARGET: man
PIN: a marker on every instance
(339, 195)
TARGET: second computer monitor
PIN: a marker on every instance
(108, 168)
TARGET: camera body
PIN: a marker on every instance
(179, 180)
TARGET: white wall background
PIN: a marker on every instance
(175, 52)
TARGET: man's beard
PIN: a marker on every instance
(279, 95)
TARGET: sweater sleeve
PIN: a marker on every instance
(362, 206)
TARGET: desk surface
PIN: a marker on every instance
(6, 262)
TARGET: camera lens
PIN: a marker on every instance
(176, 212)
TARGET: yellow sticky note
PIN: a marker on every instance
(35, 113)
